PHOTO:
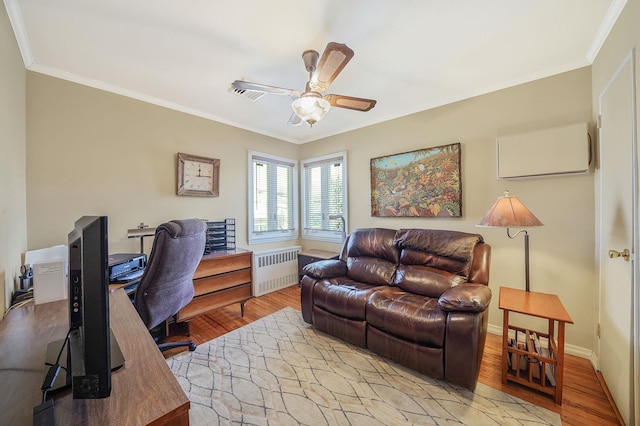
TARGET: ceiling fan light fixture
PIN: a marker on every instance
(311, 107)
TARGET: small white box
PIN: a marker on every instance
(49, 281)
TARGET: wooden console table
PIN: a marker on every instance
(143, 392)
(222, 278)
(542, 305)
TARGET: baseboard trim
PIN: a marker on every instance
(606, 391)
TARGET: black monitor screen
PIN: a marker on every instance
(89, 338)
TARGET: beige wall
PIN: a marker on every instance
(13, 225)
(562, 258)
(92, 152)
(95, 153)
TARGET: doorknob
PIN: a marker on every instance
(624, 254)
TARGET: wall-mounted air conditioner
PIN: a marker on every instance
(557, 151)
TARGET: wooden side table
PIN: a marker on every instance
(542, 305)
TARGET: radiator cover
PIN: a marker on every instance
(275, 269)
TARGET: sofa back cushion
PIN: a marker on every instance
(451, 251)
(432, 261)
(371, 256)
(416, 257)
(426, 280)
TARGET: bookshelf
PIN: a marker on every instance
(534, 358)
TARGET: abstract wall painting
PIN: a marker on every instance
(422, 183)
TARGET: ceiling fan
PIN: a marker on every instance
(311, 105)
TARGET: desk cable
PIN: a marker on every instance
(43, 414)
(20, 303)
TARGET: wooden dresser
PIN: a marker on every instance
(222, 278)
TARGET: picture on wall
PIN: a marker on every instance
(422, 183)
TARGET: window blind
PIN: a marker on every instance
(324, 189)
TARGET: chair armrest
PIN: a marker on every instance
(466, 298)
(326, 269)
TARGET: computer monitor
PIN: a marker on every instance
(89, 336)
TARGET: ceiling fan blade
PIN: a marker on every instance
(334, 58)
(241, 86)
(294, 120)
(349, 102)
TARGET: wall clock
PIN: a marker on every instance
(198, 176)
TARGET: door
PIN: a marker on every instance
(618, 228)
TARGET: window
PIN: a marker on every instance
(324, 195)
(273, 200)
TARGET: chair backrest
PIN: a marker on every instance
(167, 283)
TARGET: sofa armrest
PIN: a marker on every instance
(466, 298)
(326, 269)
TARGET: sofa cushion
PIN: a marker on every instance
(371, 270)
(418, 257)
(412, 317)
(373, 242)
(343, 297)
(451, 251)
(371, 256)
(425, 280)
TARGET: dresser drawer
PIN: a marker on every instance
(221, 279)
(202, 304)
(219, 282)
(214, 264)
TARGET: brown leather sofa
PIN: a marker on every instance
(416, 296)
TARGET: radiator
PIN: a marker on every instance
(275, 269)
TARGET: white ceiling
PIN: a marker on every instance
(410, 55)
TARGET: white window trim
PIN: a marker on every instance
(328, 236)
(272, 236)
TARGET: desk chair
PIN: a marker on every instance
(167, 283)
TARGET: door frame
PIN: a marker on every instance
(635, 239)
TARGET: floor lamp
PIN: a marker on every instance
(509, 212)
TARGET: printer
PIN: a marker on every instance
(126, 267)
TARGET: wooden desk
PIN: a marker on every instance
(540, 305)
(143, 391)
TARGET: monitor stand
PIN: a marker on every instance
(53, 348)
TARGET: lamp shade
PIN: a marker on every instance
(509, 212)
(311, 107)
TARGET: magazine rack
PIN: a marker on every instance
(531, 358)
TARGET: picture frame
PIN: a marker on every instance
(422, 183)
(198, 176)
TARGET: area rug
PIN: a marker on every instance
(280, 371)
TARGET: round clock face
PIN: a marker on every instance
(198, 176)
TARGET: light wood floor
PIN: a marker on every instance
(584, 400)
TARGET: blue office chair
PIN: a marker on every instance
(167, 283)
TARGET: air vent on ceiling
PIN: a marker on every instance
(247, 94)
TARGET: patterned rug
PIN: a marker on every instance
(280, 371)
